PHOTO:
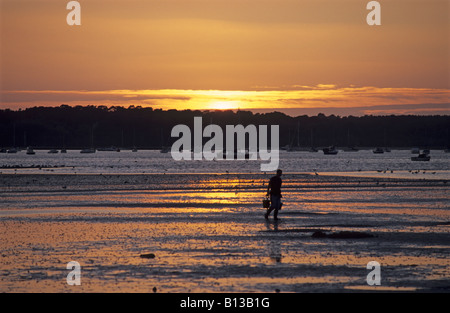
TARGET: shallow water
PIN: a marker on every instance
(209, 235)
(395, 164)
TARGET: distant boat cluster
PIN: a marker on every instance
(30, 150)
(379, 150)
(421, 155)
(109, 149)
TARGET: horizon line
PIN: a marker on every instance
(297, 99)
(321, 111)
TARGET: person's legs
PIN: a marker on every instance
(274, 205)
(277, 207)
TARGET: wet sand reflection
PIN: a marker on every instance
(216, 239)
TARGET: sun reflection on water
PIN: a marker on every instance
(209, 234)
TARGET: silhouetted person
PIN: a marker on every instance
(274, 190)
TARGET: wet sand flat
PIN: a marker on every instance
(208, 233)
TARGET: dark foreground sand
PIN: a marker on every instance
(206, 233)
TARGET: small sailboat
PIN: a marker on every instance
(378, 150)
(330, 150)
(30, 151)
(111, 149)
(421, 157)
(89, 150)
(424, 156)
(350, 147)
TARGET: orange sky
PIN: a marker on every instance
(302, 55)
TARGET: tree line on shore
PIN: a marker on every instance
(74, 127)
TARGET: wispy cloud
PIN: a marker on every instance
(326, 97)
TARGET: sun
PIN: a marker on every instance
(223, 105)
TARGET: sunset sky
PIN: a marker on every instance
(294, 56)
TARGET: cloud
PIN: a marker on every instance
(354, 100)
(51, 96)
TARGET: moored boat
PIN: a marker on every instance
(330, 150)
(421, 157)
(378, 150)
(88, 151)
(30, 151)
(424, 156)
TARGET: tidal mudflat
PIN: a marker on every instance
(207, 233)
